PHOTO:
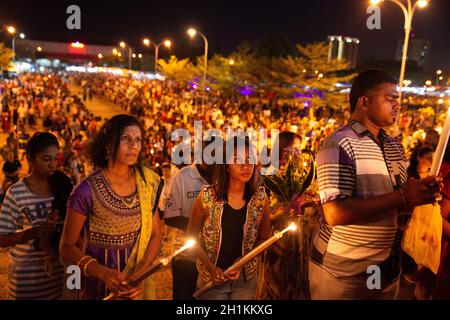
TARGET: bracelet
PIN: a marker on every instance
(81, 260)
(86, 265)
(404, 200)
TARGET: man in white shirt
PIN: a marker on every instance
(184, 188)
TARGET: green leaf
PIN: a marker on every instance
(290, 179)
(274, 186)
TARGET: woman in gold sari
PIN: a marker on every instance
(114, 210)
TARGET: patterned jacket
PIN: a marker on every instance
(211, 234)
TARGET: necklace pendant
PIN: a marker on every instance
(129, 204)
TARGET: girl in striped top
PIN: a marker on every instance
(29, 223)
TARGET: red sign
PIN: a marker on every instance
(77, 48)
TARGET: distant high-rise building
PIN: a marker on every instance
(343, 48)
(418, 51)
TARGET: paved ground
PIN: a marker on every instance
(100, 107)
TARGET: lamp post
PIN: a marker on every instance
(123, 45)
(167, 43)
(408, 10)
(12, 31)
(192, 32)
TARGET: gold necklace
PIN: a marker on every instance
(128, 203)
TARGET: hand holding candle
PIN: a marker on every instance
(422, 238)
(155, 267)
(249, 256)
(440, 150)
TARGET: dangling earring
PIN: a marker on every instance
(107, 154)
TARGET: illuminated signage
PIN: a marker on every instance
(77, 45)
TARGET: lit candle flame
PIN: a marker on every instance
(190, 243)
(187, 245)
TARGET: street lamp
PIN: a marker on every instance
(167, 43)
(408, 10)
(12, 31)
(192, 32)
(123, 45)
(439, 76)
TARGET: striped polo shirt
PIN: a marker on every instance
(31, 274)
(351, 164)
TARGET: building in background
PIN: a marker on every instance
(343, 48)
(418, 51)
(70, 51)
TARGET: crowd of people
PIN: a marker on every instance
(116, 179)
(164, 106)
(33, 101)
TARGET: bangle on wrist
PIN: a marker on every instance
(81, 260)
(86, 265)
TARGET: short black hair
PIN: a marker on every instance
(109, 137)
(367, 80)
(40, 141)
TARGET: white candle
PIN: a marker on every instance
(249, 256)
(440, 150)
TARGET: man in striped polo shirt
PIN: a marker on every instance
(363, 185)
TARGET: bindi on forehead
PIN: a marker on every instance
(132, 131)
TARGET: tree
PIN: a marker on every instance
(413, 72)
(178, 70)
(6, 57)
(219, 74)
(314, 78)
(229, 74)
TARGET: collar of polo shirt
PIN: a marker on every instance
(194, 174)
(361, 130)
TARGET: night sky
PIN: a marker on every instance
(226, 24)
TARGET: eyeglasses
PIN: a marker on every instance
(131, 141)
